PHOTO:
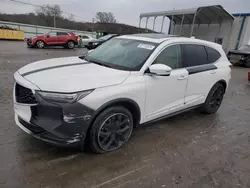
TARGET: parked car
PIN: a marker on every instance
(95, 43)
(240, 56)
(85, 39)
(127, 81)
(65, 39)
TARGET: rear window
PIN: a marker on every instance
(194, 55)
(213, 55)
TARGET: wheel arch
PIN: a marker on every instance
(224, 83)
(130, 104)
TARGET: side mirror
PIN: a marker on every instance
(160, 69)
(47, 36)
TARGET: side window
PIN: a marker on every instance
(194, 55)
(85, 37)
(62, 34)
(213, 55)
(170, 56)
(53, 34)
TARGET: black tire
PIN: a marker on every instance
(214, 99)
(247, 63)
(70, 44)
(40, 44)
(111, 130)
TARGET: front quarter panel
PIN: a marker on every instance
(133, 88)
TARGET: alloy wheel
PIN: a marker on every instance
(114, 132)
(217, 98)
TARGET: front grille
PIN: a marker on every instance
(31, 127)
(24, 95)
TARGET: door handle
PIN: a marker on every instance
(213, 72)
(182, 77)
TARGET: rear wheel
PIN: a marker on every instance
(111, 130)
(214, 99)
(247, 63)
(71, 44)
(40, 44)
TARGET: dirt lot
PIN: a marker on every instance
(189, 150)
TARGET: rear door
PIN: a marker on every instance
(51, 38)
(62, 37)
(201, 70)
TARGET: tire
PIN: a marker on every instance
(70, 44)
(111, 130)
(247, 63)
(40, 44)
(214, 99)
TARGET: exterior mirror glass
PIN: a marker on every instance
(160, 69)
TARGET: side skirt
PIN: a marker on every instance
(172, 114)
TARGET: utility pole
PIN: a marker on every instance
(93, 25)
(54, 17)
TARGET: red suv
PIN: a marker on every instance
(65, 39)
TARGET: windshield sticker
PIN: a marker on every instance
(146, 46)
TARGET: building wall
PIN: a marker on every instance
(34, 30)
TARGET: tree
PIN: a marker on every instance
(105, 17)
(49, 13)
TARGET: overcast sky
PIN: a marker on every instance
(125, 11)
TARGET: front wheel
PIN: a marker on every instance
(40, 44)
(111, 130)
(214, 99)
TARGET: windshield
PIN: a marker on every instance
(244, 48)
(123, 54)
(106, 37)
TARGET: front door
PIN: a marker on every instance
(165, 94)
(51, 38)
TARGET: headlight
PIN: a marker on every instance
(63, 97)
(95, 43)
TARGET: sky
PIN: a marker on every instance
(125, 11)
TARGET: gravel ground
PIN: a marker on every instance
(189, 150)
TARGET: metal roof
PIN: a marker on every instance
(204, 15)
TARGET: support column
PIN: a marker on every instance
(192, 29)
(146, 23)
(154, 24)
(139, 25)
(162, 23)
(182, 20)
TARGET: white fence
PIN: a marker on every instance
(34, 30)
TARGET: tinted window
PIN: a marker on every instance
(194, 55)
(213, 55)
(61, 33)
(171, 56)
(85, 37)
(244, 48)
(52, 34)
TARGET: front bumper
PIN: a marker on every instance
(60, 124)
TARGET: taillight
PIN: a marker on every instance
(249, 76)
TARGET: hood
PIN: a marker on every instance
(71, 74)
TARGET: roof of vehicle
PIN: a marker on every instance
(159, 38)
(149, 37)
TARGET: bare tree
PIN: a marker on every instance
(105, 17)
(49, 13)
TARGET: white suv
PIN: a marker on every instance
(126, 81)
